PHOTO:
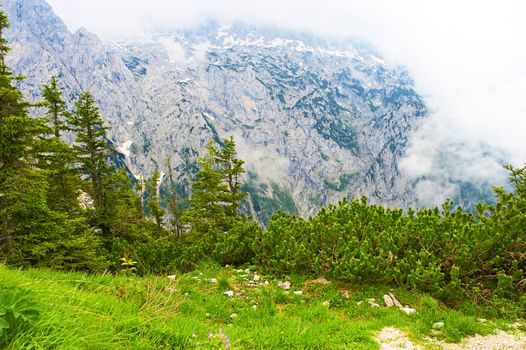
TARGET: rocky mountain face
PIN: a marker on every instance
(315, 120)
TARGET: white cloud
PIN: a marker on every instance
(468, 59)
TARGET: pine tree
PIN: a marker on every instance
(216, 191)
(56, 113)
(59, 158)
(232, 169)
(92, 148)
(127, 213)
(17, 130)
(31, 233)
(154, 206)
(174, 205)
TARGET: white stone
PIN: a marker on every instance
(395, 300)
(171, 277)
(326, 303)
(257, 278)
(229, 293)
(388, 300)
(408, 310)
(213, 280)
(438, 325)
(234, 316)
(298, 292)
(284, 285)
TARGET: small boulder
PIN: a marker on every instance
(229, 293)
(326, 303)
(171, 277)
(388, 300)
(438, 325)
(408, 310)
(213, 280)
(256, 278)
(284, 285)
(395, 300)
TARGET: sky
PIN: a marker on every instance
(468, 60)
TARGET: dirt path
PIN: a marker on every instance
(391, 338)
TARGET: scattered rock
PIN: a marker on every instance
(213, 280)
(388, 301)
(321, 281)
(284, 285)
(438, 325)
(395, 300)
(234, 316)
(372, 302)
(346, 294)
(254, 306)
(298, 292)
(256, 278)
(266, 283)
(359, 302)
(171, 277)
(326, 303)
(482, 320)
(229, 293)
(408, 310)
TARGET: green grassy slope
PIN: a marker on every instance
(117, 312)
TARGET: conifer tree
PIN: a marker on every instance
(176, 226)
(216, 191)
(17, 130)
(232, 169)
(127, 213)
(154, 205)
(31, 233)
(92, 151)
(56, 113)
(59, 158)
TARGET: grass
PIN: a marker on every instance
(118, 312)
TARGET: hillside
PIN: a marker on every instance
(159, 312)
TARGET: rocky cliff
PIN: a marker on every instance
(314, 119)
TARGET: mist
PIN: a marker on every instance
(468, 60)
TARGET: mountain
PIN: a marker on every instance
(314, 119)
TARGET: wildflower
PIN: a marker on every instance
(210, 335)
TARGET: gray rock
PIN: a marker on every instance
(314, 119)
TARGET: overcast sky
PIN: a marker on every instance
(468, 59)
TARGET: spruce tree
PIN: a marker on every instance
(232, 169)
(216, 191)
(59, 158)
(154, 206)
(92, 151)
(174, 205)
(31, 233)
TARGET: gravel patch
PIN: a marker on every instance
(390, 338)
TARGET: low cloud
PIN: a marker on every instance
(265, 161)
(468, 60)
